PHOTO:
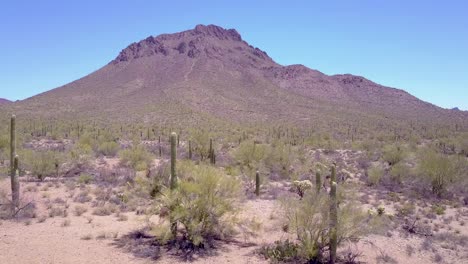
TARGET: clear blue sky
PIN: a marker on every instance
(419, 46)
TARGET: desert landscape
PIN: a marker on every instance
(198, 147)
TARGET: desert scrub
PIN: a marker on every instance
(42, 164)
(398, 172)
(205, 203)
(280, 157)
(374, 175)
(85, 178)
(308, 220)
(79, 210)
(249, 156)
(440, 171)
(137, 158)
(105, 210)
(281, 251)
(109, 149)
(393, 154)
(80, 155)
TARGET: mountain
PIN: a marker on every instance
(211, 73)
(4, 101)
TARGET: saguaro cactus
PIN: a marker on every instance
(14, 164)
(257, 183)
(159, 146)
(173, 160)
(333, 218)
(12, 141)
(318, 181)
(15, 186)
(210, 151)
(173, 179)
(190, 149)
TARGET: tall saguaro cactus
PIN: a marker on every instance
(173, 160)
(173, 179)
(12, 141)
(333, 217)
(14, 164)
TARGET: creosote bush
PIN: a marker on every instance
(205, 203)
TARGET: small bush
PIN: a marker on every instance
(42, 164)
(440, 171)
(438, 209)
(308, 219)
(393, 154)
(80, 155)
(85, 178)
(109, 149)
(136, 157)
(281, 251)
(79, 210)
(205, 204)
(374, 175)
(104, 210)
(398, 172)
(82, 197)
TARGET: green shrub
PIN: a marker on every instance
(438, 209)
(374, 175)
(201, 143)
(42, 164)
(393, 154)
(109, 149)
(205, 204)
(250, 154)
(280, 157)
(85, 178)
(281, 251)
(440, 170)
(81, 155)
(308, 219)
(136, 157)
(398, 172)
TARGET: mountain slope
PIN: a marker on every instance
(210, 72)
(4, 101)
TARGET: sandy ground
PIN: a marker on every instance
(92, 239)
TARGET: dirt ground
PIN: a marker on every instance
(89, 238)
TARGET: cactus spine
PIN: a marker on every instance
(318, 181)
(333, 217)
(14, 165)
(257, 183)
